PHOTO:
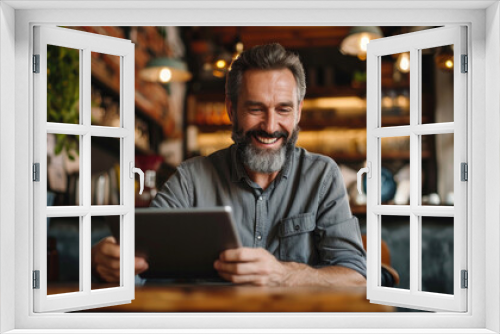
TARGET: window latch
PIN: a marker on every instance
(368, 171)
(133, 170)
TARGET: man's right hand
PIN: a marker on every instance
(106, 260)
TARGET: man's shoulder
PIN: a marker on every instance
(314, 160)
(205, 163)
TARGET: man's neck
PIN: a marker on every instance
(263, 180)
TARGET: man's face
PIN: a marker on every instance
(266, 117)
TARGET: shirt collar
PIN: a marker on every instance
(238, 170)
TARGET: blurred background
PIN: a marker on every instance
(180, 113)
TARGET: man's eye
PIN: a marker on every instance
(255, 109)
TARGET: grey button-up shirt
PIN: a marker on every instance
(303, 216)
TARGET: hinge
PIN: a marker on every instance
(465, 64)
(36, 172)
(36, 63)
(36, 279)
(465, 279)
(464, 172)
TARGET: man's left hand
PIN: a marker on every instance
(254, 266)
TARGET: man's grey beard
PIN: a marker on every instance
(259, 160)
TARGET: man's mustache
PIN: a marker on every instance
(262, 133)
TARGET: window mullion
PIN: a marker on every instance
(415, 105)
(85, 154)
(85, 249)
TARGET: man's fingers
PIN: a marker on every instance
(238, 268)
(141, 265)
(242, 254)
(107, 274)
(244, 279)
(109, 268)
(110, 248)
(112, 263)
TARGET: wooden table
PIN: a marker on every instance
(195, 298)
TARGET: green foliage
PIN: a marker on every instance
(63, 92)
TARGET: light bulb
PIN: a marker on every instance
(239, 47)
(220, 63)
(449, 64)
(363, 42)
(165, 75)
(403, 62)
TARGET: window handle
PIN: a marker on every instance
(368, 171)
(133, 170)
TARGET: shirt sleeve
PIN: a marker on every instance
(339, 237)
(175, 193)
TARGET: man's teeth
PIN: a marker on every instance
(267, 140)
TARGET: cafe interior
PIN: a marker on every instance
(180, 113)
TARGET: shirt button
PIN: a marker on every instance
(296, 227)
(260, 198)
(259, 237)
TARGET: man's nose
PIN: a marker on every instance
(270, 122)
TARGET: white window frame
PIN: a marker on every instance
(483, 20)
(414, 43)
(85, 43)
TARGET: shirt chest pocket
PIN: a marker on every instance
(297, 238)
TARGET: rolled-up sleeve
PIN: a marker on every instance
(337, 230)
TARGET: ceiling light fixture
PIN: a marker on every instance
(166, 70)
(356, 41)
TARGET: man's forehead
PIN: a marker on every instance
(256, 81)
(258, 73)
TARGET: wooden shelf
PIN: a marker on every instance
(105, 76)
(113, 147)
(334, 91)
(357, 122)
(205, 128)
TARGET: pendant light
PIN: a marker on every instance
(165, 70)
(356, 41)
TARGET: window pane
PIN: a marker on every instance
(396, 237)
(437, 169)
(105, 170)
(105, 278)
(437, 254)
(63, 170)
(395, 172)
(437, 84)
(395, 86)
(105, 91)
(63, 255)
(63, 85)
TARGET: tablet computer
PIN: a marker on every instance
(182, 243)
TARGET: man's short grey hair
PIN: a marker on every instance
(264, 57)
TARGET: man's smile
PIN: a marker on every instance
(265, 140)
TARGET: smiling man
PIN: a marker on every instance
(290, 206)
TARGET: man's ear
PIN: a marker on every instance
(229, 109)
(299, 111)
